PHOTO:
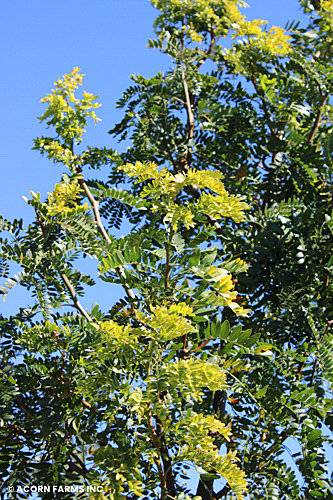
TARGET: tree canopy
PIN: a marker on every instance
(219, 356)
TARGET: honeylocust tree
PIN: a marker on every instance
(228, 177)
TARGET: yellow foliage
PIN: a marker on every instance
(116, 333)
(273, 42)
(181, 308)
(190, 376)
(233, 12)
(144, 171)
(64, 198)
(179, 214)
(194, 18)
(199, 430)
(221, 289)
(266, 44)
(223, 465)
(165, 187)
(168, 322)
(222, 206)
(326, 7)
(67, 113)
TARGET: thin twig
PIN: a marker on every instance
(318, 118)
(76, 303)
(222, 492)
(156, 445)
(95, 205)
(282, 437)
(263, 101)
(79, 461)
(210, 48)
(313, 372)
(190, 116)
(167, 463)
(167, 263)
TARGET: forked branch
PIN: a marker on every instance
(95, 205)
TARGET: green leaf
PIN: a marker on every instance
(194, 258)
(262, 391)
(225, 329)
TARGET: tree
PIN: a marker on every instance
(129, 397)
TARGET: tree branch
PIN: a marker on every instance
(313, 372)
(282, 437)
(167, 263)
(76, 303)
(317, 121)
(95, 205)
(81, 464)
(263, 101)
(188, 107)
(157, 460)
(223, 492)
(167, 464)
(210, 48)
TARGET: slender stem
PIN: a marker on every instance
(313, 372)
(183, 352)
(77, 303)
(22, 407)
(66, 281)
(282, 437)
(79, 461)
(300, 369)
(190, 116)
(210, 48)
(167, 463)
(157, 459)
(168, 265)
(158, 439)
(201, 346)
(331, 183)
(317, 121)
(161, 444)
(223, 492)
(95, 205)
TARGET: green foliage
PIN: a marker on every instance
(139, 369)
(227, 275)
